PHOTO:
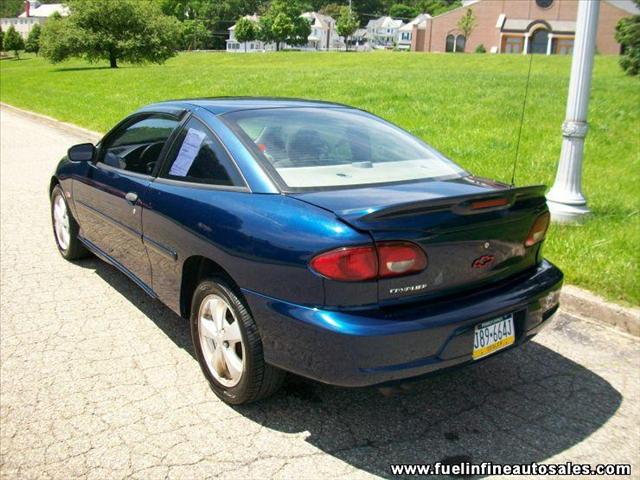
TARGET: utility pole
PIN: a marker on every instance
(565, 199)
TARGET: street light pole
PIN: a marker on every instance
(565, 199)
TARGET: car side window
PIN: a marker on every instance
(197, 156)
(136, 147)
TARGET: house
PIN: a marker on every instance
(405, 32)
(526, 26)
(359, 37)
(383, 31)
(324, 35)
(34, 13)
(234, 45)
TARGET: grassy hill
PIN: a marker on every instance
(468, 106)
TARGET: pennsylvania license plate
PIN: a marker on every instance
(493, 335)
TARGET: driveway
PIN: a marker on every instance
(99, 381)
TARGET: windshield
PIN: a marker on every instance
(333, 147)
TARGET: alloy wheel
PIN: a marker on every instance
(61, 222)
(221, 340)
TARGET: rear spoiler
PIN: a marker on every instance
(461, 205)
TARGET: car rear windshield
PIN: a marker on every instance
(336, 147)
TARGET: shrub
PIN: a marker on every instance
(480, 49)
(13, 41)
(628, 34)
(33, 40)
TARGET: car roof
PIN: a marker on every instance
(222, 105)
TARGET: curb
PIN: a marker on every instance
(84, 133)
(584, 304)
(573, 300)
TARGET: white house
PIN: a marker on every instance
(234, 45)
(34, 13)
(404, 32)
(324, 35)
(383, 31)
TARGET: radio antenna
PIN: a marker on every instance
(524, 105)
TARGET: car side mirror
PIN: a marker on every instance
(84, 152)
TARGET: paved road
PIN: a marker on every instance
(99, 381)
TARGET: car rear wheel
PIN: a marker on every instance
(65, 228)
(228, 345)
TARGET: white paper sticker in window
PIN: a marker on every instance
(188, 152)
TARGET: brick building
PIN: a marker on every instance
(519, 26)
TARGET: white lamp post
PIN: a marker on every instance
(565, 199)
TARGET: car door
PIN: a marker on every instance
(111, 199)
(187, 207)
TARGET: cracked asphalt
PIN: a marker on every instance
(97, 380)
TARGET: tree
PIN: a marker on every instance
(1, 40)
(436, 7)
(11, 8)
(114, 30)
(331, 9)
(300, 32)
(467, 23)
(13, 41)
(195, 34)
(245, 31)
(347, 24)
(404, 12)
(282, 23)
(33, 40)
(628, 35)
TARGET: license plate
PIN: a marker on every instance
(494, 335)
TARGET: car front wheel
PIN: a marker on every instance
(228, 345)
(65, 228)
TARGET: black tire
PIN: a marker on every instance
(75, 250)
(259, 379)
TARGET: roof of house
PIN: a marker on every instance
(46, 10)
(384, 22)
(525, 24)
(360, 33)
(419, 19)
(318, 20)
(253, 18)
(628, 6)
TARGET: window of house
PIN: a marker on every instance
(136, 146)
(460, 44)
(197, 156)
(564, 46)
(513, 44)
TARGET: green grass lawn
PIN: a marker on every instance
(468, 106)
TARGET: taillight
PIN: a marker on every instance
(400, 258)
(349, 264)
(538, 230)
(353, 264)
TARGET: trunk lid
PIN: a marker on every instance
(472, 230)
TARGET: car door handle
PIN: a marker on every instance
(131, 197)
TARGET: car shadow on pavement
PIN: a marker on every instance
(523, 406)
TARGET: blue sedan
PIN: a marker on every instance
(308, 237)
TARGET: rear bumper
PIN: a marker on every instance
(372, 347)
